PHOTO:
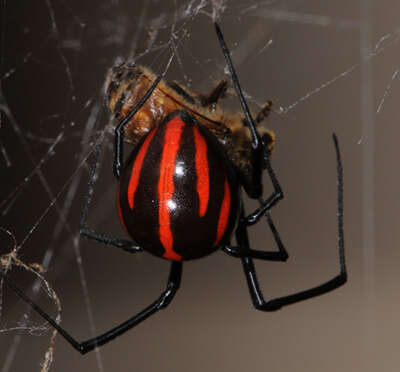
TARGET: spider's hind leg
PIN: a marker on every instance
(162, 302)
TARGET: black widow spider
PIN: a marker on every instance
(227, 207)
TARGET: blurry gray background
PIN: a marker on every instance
(326, 66)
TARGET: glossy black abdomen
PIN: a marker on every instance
(178, 195)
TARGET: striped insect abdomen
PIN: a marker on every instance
(178, 194)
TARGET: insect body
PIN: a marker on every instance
(127, 83)
(178, 194)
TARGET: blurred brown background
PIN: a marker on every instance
(326, 66)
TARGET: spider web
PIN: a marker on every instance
(326, 67)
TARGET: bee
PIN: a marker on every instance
(126, 83)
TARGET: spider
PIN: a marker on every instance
(179, 191)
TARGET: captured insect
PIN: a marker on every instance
(179, 193)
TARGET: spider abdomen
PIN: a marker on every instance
(178, 196)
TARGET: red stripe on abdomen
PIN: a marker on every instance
(171, 145)
(136, 168)
(202, 171)
(224, 213)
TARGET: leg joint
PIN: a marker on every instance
(272, 305)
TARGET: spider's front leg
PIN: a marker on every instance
(329, 285)
(260, 161)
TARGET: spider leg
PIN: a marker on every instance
(88, 232)
(162, 302)
(271, 201)
(261, 158)
(120, 129)
(330, 285)
(126, 245)
(240, 251)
